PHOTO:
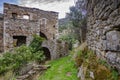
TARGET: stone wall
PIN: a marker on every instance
(103, 27)
(22, 21)
(1, 33)
(57, 48)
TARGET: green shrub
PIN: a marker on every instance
(22, 55)
(70, 39)
(6, 62)
(36, 43)
(38, 56)
(16, 59)
(115, 74)
(36, 48)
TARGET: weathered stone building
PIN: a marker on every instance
(103, 27)
(19, 24)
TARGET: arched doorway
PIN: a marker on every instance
(43, 35)
(46, 53)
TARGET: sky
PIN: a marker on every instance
(61, 6)
(8, 1)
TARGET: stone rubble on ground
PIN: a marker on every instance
(36, 69)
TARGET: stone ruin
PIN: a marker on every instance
(103, 27)
(57, 48)
(18, 25)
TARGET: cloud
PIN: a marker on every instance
(41, 1)
(61, 6)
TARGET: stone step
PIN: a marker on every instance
(23, 77)
(31, 72)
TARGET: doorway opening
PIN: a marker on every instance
(19, 40)
(46, 53)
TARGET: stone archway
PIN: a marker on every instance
(46, 53)
(43, 35)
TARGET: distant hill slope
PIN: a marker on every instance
(63, 21)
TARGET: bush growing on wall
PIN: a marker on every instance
(36, 48)
(36, 43)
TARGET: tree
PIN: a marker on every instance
(77, 16)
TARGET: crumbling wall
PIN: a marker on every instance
(57, 48)
(103, 27)
(23, 21)
(1, 33)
